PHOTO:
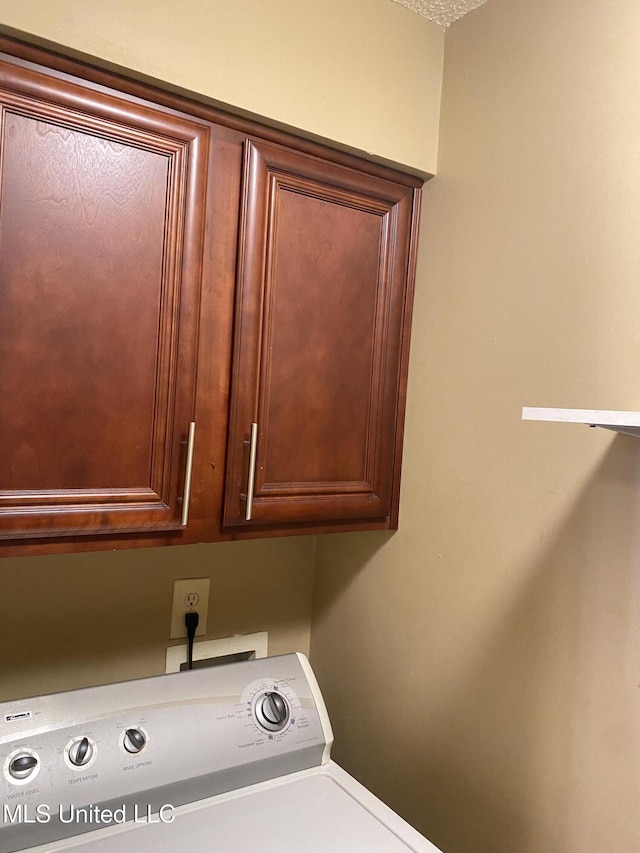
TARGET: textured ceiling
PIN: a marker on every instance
(443, 12)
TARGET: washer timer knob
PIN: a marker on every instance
(23, 765)
(272, 711)
(134, 741)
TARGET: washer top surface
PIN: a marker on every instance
(322, 810)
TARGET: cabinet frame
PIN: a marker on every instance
(224, 134)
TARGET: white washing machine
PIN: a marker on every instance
(215, 760)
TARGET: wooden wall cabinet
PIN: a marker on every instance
(163, 263)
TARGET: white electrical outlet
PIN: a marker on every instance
(190, 594)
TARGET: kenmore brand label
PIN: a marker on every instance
(21, 715)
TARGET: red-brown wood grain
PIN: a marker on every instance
(100, 245)
(321, 277)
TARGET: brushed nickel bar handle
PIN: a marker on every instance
(191, 439)
(252, 470)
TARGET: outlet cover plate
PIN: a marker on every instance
(189, 594)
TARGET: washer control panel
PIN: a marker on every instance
(140, 746)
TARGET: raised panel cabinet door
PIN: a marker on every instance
(322, 283)
(101, 222)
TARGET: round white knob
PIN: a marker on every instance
(272, 711)
(81, 752)
(23, 765)
(134, 740)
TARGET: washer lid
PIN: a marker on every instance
(323, 810)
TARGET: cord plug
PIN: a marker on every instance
(191, 619)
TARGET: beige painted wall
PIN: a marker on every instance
(489, 652)
(363, 73)
(75, 620)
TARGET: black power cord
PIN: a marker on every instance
(191, 620)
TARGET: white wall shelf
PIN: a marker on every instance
(624, 422)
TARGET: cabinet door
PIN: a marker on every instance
(322, 276)
(101, 209)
